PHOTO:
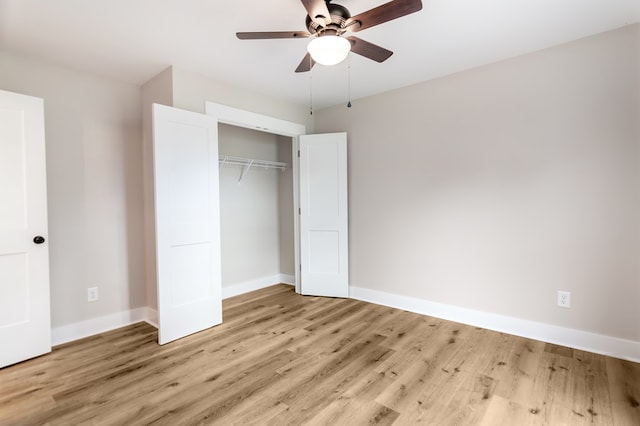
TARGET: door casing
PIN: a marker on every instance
(250, 120)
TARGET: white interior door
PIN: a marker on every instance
(187, 208)
(25, 324)
(323, 215)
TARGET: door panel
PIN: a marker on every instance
(324, 252)
(12, 164)
(187, 222)
(25, 324)
(324, 215)
(14, 299)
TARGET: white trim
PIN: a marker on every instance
(91, 327)
(247, 286)
(251, 120)
(152, 317)
(286, 279)
(295, 168)
(577, 339)
(82, 329)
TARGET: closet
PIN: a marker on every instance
(225, 186)
(256, 209)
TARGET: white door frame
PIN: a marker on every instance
(251, 120)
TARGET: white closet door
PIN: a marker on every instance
(25, 324)
(323, 215)
(187, 222)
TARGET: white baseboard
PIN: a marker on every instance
(247, 286)
(152, 317)
(287, 279)
(577, 339)
(82, 329)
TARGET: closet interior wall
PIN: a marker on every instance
(256, 213)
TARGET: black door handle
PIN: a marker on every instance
(38, 239)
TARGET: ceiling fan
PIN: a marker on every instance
(329, 22)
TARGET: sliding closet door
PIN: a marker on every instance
(323, 215)
(187, 222)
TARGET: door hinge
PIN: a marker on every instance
(298, 153)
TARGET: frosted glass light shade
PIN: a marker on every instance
(329, 49)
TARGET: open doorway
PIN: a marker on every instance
(322, 231)
(225, 115)
(256, 209)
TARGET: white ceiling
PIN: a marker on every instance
(133, 40)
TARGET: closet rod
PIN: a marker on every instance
(240, 161)
(247, 163)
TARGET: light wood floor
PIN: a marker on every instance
(285, 359)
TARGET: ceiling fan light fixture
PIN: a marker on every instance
(329, 49)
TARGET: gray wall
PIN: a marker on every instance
(157, 90)
(286, 213)
(94, 186)
(493, 188)
(192, 90)
(489, 189)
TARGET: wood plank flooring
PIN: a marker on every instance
(284, 359)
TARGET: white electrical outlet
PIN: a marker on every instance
(564, 299)
(92, 294)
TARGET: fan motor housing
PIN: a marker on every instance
(339, 16)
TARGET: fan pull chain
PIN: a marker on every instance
(349, 79)
(310, 85)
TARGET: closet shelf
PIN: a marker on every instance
(247, 163)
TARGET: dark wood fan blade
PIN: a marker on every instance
(306, 64)
(317, 11)
(384, 13)
(272, 34)
(369, 50)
